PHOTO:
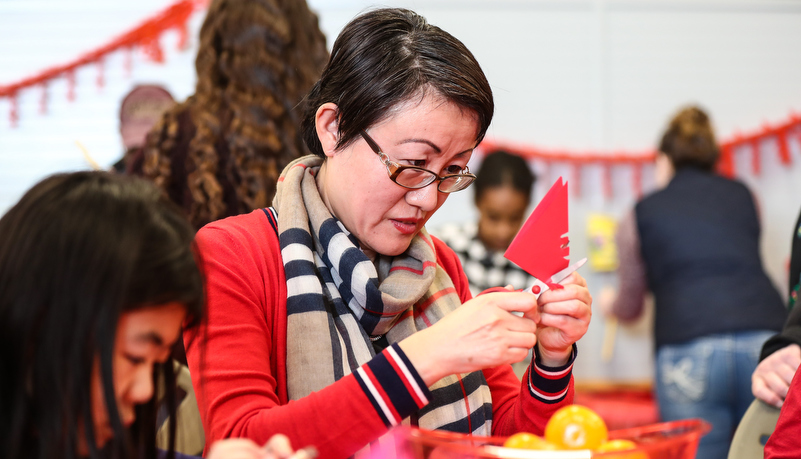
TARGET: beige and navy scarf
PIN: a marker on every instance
(337, 299)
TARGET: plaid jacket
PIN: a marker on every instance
(484, 268)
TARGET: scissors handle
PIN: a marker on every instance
(555, 279)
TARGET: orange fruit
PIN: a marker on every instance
(621, 446)
(576, 427)
(525, 440)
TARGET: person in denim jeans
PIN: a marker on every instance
(709, 378)
(695, 245)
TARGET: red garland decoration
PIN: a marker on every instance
(636, 179)
(101, 79)
(71, 85)
(756, 159)
(576, 186)
(606, 171)
(780, 133)
(13, 114)
(145, 36)
(128, 63)
(726, 161)
(43, 99)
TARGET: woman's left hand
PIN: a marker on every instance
(564, 318)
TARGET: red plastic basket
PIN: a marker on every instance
(667, 440)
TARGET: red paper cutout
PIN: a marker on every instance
(540, 247)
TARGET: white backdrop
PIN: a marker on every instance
(575, 74)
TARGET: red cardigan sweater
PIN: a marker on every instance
(239, 374)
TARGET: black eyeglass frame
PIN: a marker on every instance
(394, 170)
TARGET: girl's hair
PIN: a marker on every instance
(76, 252)
(501, 168)
(256, 61)
(690, 140)
(386, 57)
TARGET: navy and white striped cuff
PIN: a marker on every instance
(393, 385)
(550, 384)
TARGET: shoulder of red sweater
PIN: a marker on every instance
(244, 227)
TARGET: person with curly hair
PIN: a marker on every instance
(219, 153)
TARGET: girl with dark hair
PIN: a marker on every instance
(219, 153)
(334, 316)
(695, 245)
(502, 196)
(97, 275)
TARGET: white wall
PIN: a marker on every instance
(574, 74)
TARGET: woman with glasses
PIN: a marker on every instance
(334, 316)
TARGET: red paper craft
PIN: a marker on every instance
(540, 247)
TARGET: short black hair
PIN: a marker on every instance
(501, 168)
(386, 57)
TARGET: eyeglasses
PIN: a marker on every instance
(414, 177)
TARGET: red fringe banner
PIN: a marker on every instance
(606, 175)
(781, 134)
(43, 99)
(636, 179)
(576, 183)
(145, 36)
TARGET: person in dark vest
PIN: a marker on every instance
(694, 244)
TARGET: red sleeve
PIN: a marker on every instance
(517, 406)
(783, 442)
(239, 375)
(528, 405)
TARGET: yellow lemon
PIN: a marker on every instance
(525, 440)
(576, 427)
(621, 446)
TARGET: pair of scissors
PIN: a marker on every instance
(539, 287)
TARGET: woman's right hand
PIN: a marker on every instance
(482, 333)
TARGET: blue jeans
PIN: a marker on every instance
(709, 378)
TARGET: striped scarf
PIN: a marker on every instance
(337, 299)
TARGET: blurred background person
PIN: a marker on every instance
(502, 196)
(219, 153)
(695, 245)
(140, 110)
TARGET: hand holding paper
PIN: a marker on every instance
(541, 249)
